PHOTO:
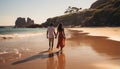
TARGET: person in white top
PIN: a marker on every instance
(50, 35)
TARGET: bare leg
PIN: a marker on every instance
(61, 49)
(49, 43)
(52, 42)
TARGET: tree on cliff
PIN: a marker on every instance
(70, 10)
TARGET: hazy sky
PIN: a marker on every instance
(38, 10)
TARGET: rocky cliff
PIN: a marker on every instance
(105, 14)
(98, 3)
(101, 13)
(21, 22)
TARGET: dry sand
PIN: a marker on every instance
(86, 48)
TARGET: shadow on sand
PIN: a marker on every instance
(41, 55)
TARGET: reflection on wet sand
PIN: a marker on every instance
(51, 63)
(59, 63)
(100, 44)
(55, 60)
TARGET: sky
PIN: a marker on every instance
(38, 10)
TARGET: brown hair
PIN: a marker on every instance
(60, 28)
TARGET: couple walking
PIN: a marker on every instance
(60, 34)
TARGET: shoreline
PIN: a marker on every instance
(81, 51)
(112, 33)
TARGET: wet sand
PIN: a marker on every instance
(82, 51)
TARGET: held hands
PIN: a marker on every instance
(55, 36)
(47, 37)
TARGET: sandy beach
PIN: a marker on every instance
(86, 48)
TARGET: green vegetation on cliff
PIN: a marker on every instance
(101, 13)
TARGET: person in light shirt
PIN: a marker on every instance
(51, 35)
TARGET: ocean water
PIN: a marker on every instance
(20, 32)
(12, 48)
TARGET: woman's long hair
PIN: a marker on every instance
(60, 28)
